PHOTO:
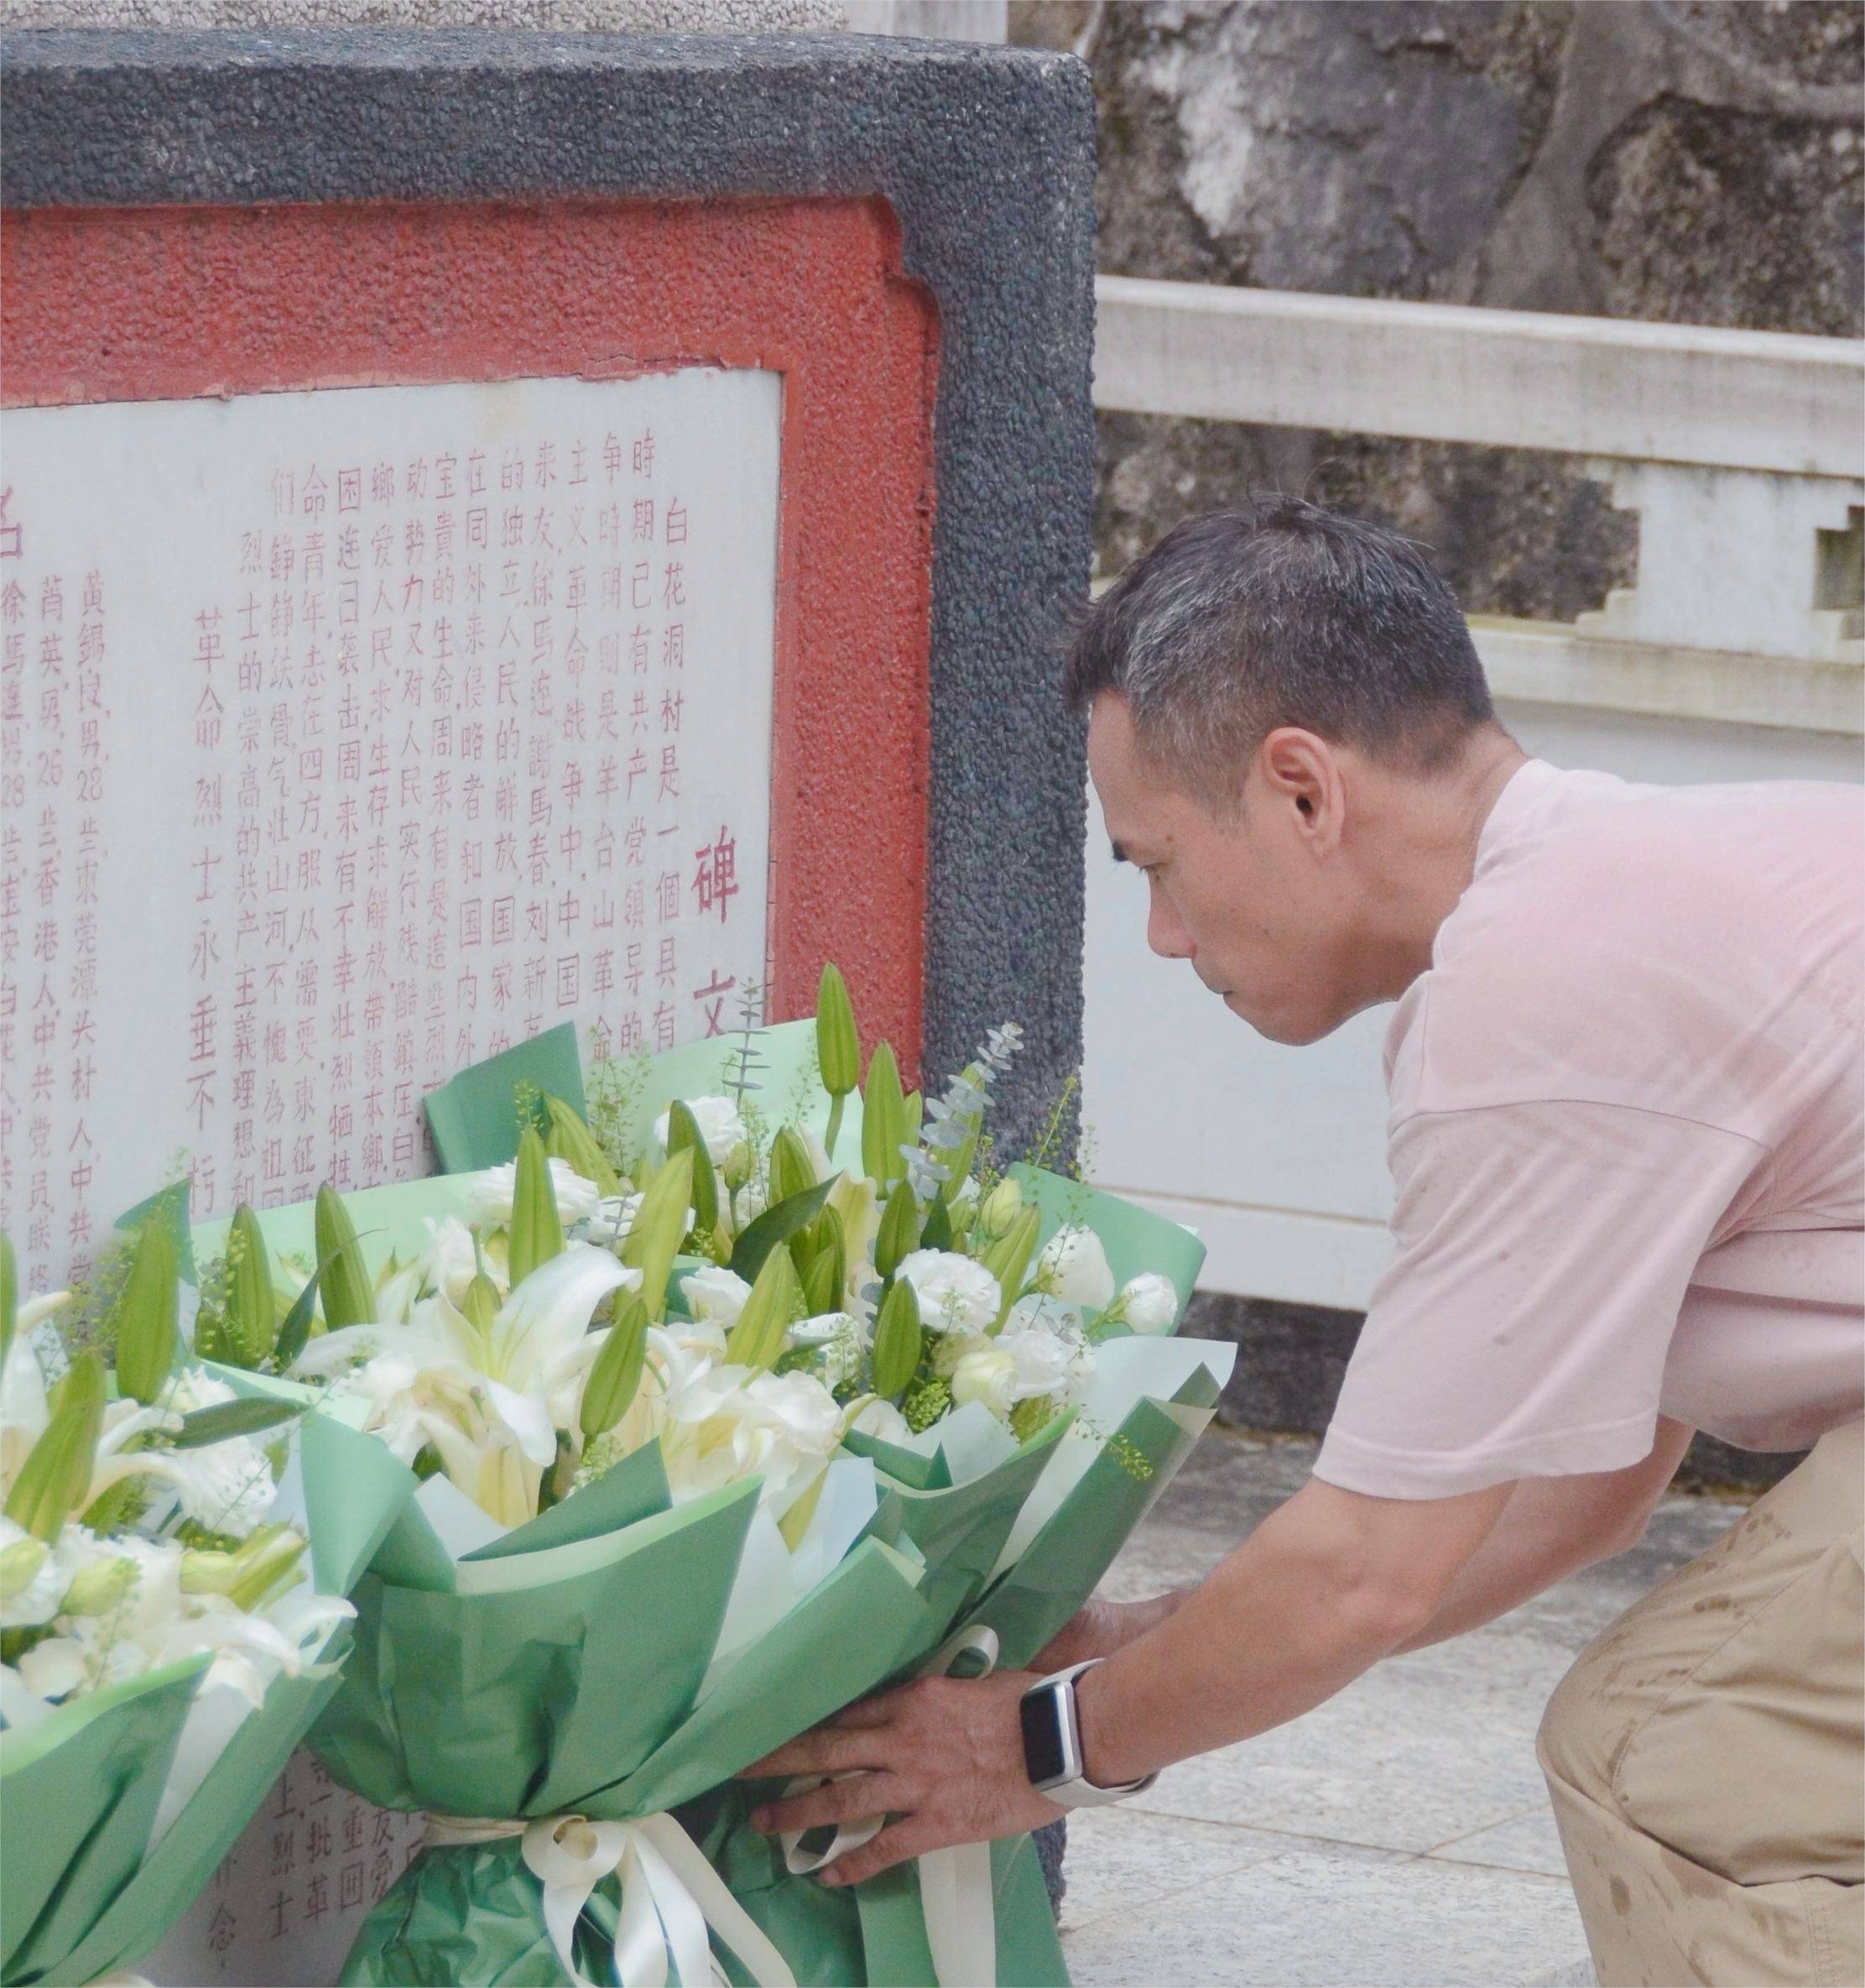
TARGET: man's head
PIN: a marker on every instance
(1289, 730)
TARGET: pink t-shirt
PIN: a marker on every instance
(1627, 1136)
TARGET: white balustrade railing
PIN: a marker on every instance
(1736, 654)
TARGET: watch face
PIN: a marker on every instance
(1042, 1717)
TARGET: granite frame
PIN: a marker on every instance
(986, 156)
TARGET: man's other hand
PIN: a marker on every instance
(943, 1758)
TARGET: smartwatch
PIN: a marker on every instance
(1052, 1745)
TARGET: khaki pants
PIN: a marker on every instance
(1706, 1755)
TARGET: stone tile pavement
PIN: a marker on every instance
(1397, 1837)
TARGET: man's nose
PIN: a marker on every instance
(1165, 931)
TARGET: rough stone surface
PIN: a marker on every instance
(1690, 162)
(655, 17)
(984, 155)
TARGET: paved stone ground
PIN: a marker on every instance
(1397, 1837)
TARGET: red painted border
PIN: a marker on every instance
(161, 303)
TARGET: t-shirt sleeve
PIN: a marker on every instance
(1520, 1330)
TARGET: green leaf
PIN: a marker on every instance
(9, 1293)
(899, 1341)
(777, 1224)
(52, 1480)
(838, 1046)
(536, 1234)
(1009, 1258)
(883, 1120)
(828, 1272)
(613, 1380)
(232, 1418)
(144, 1318)
(572, 1142)
(294, 1328)
(958, 1166)
(937, 1234)
(792, 1170)
(775, 1304)
(900, 1232)
(684, 1136)
(342, 1276)
(655, 1236)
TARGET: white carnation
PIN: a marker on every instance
(955, 1293)
(715, 1295)
(490, 1194)
(1074, 1266)
(1148, 1303)
(719, 1122)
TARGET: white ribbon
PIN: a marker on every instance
(955, 1892)
(670, 1896)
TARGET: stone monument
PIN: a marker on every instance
(497, 530)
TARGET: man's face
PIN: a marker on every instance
(1258, 901)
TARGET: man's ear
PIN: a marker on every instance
(1302, 774)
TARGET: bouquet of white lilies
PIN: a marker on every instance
(878, 1387)
(166, 1633)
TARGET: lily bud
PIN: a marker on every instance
(250, 1321)
(20, 1566)
(1002, 1207)
(145, 1317)
(99, 1587)
(535, 1233)
(342, 1282)
(838, 1048)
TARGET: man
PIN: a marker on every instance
(1625, 1082)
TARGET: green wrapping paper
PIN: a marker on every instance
(389, 1220)
(90, 1778)
(473, 1118)
(960, 1530)
(87, 1892)
(573, 1678)
(1063, 1564)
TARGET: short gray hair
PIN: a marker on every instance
(1282, 613)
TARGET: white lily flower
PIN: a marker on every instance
(490, 1404)
(490, 1194)
(955, 1294)
(1074, 1266)
(719, 1124)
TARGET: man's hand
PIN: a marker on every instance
(943, 1757)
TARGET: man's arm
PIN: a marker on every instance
(1551, 1528)
(1324, 1588)
(1328, 1584)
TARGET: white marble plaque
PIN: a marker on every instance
(283, 1908)
(347, 737)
